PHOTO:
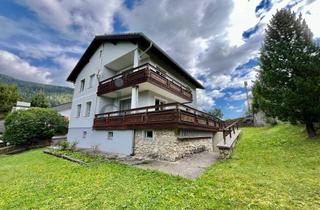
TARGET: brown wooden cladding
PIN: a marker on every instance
(141, 74)
(168, 116)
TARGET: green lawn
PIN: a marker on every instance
(271, 168)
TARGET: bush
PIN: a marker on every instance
(64, 145)
(26, 127)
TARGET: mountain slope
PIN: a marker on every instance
(56, 94)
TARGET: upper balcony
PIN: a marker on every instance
(145, 73)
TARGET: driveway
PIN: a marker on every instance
(190, 167)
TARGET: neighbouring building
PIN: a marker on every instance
(21, 105)
(131, 98)
(64, 109)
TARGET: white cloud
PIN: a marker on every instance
(216, 93)
(182, 28)
(13, 65)
(77, 19)
(204, 100)
(238, 95)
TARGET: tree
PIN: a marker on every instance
(288, 84)
(8, 97)
(39, 100)
(216, 113)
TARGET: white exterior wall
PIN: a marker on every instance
(122, 141)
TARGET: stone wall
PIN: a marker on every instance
(165, 145)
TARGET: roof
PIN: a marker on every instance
(138, 38)
(62, 107)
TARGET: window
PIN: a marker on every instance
(125, 104)
(110, 135)
(82, 84)
(88, 109)
(78, 110)
(91, 81)
(148, 134)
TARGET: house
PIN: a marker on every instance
(21, 105)
(64, 109)
(131, 98)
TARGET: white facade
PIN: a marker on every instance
(108, 60)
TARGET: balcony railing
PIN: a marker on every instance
(141, 74)
(174, 115)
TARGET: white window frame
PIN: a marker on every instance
(82, 87)
(91, 79)
(88, 110)
(122, 99)
(78, 110)
(145, 135)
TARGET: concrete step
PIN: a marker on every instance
(229, 141)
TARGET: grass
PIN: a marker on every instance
(272, 168)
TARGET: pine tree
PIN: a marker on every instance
(288, 85)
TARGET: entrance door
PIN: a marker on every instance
(159, 102)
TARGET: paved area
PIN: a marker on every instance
(190, 167)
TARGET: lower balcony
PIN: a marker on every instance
(172, 115)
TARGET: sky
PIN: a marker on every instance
(216, 41)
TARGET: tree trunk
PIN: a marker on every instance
(311, 130)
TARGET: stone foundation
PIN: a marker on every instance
(166, 145)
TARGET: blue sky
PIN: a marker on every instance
(216, 41)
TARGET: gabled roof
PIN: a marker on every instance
(138, 38)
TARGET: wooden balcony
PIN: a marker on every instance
(172, 115)
(141, 74)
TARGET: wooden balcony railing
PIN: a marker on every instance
(141, 74)
(172, 115)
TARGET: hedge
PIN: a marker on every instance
(26, 127)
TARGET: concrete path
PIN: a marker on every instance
(190, 167)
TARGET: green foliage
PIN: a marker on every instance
(39, 100)
(33, 125)
(8, 97)
(216, 113)
(288, 84)
(64, 145)
(80, 155)
(54, 94)
(271, 168)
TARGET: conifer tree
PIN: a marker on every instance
(288, 84)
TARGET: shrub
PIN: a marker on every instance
(73, 145)
(64, 145)
(32, 126)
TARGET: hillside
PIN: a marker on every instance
(56, 94)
